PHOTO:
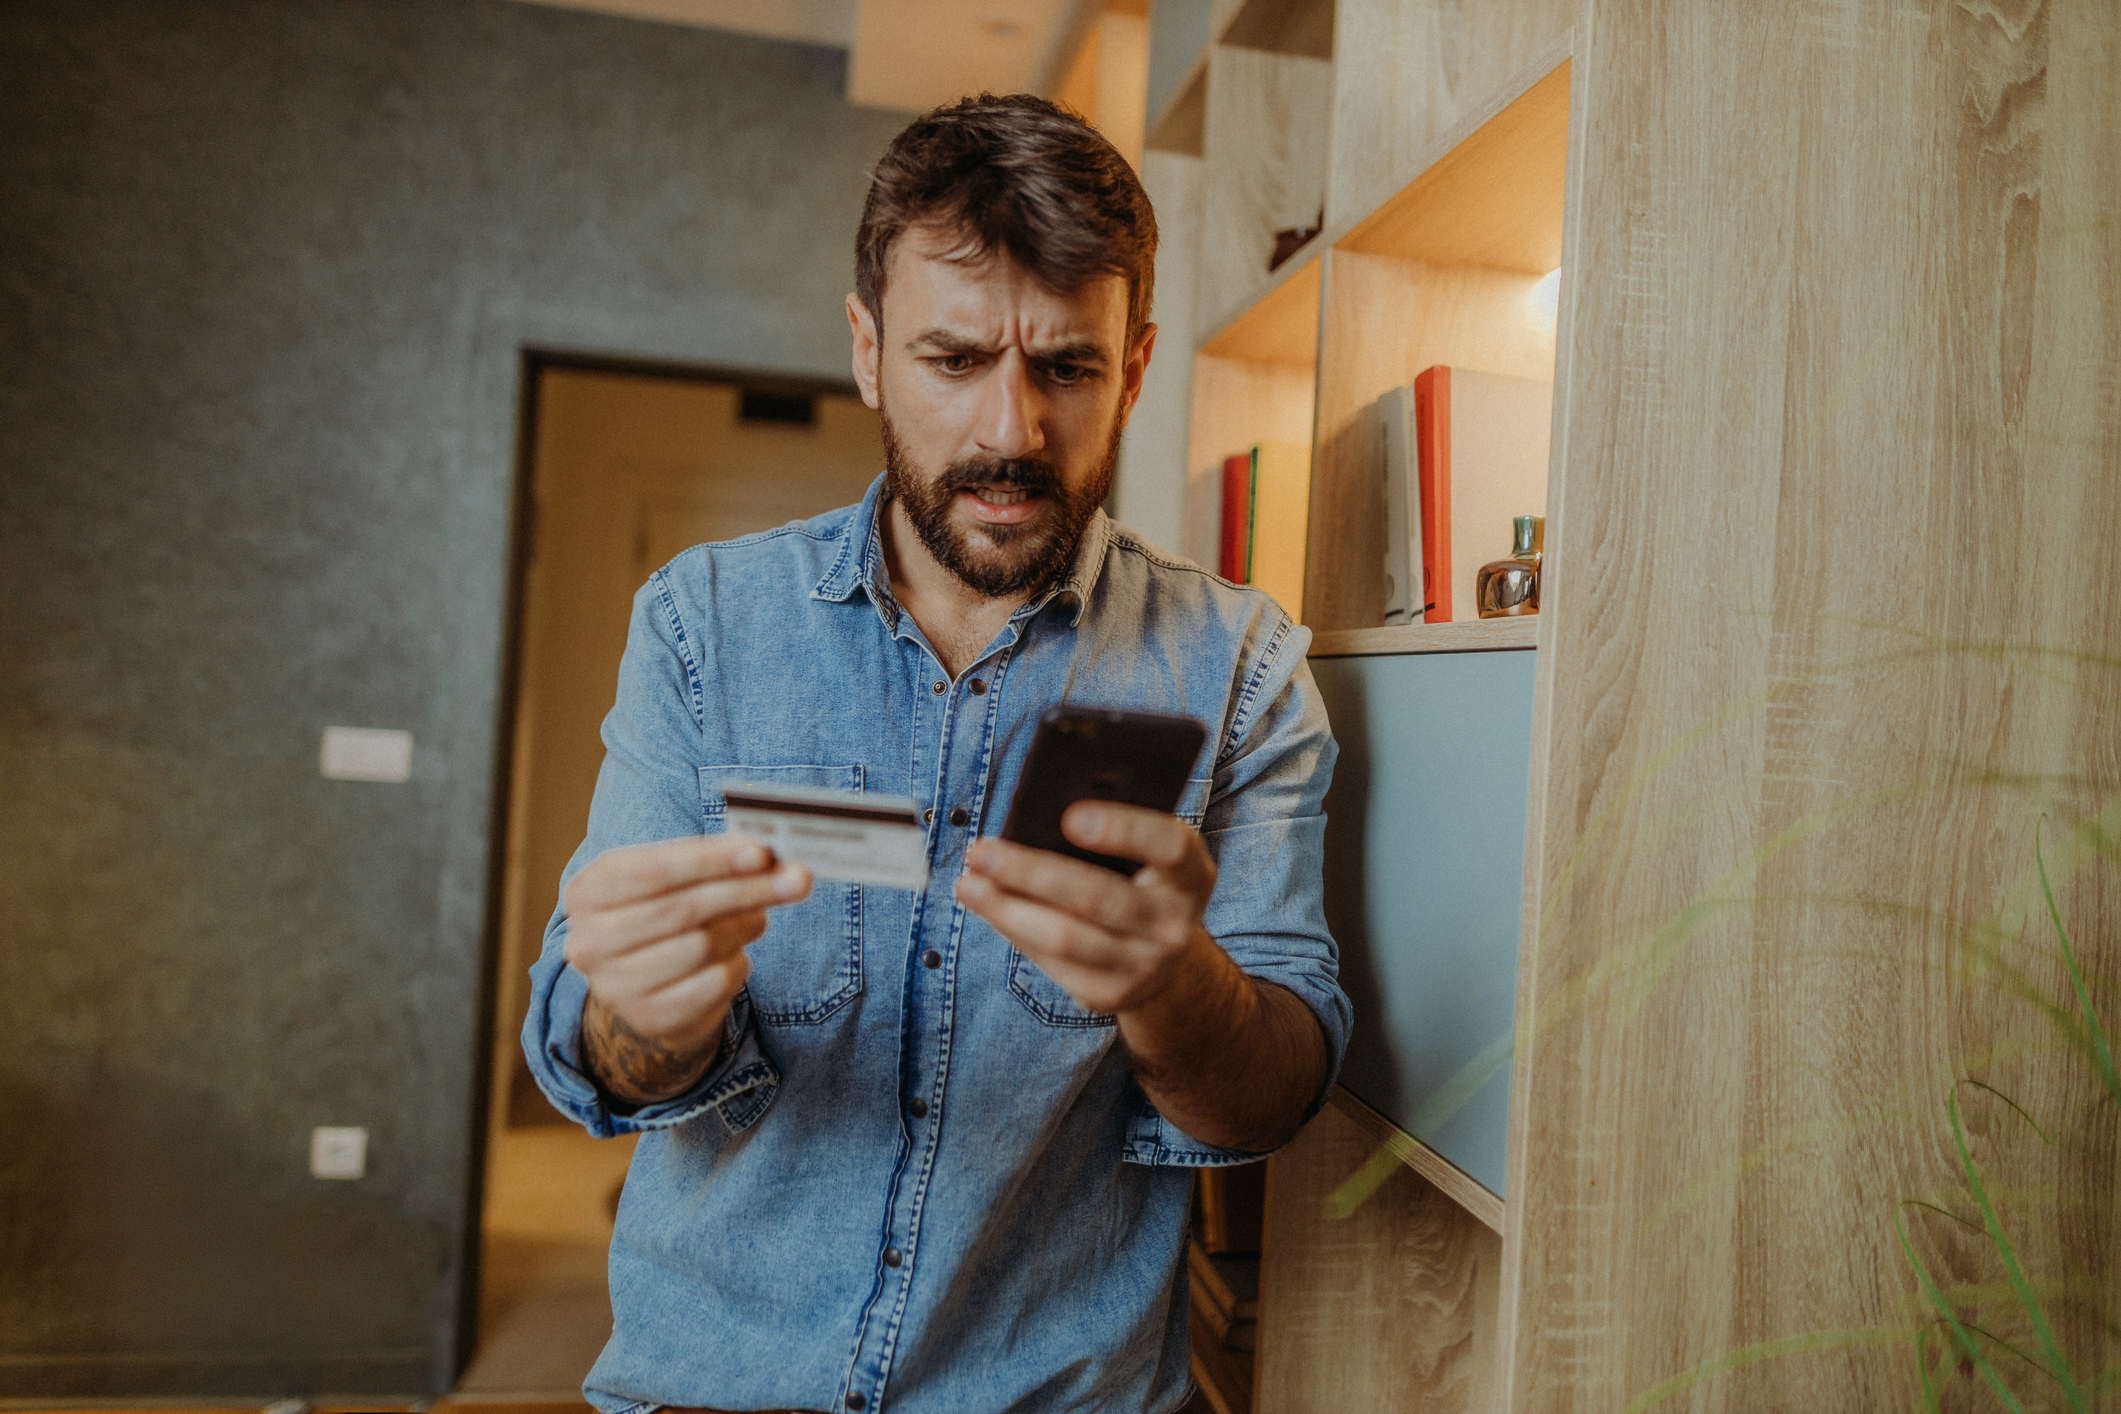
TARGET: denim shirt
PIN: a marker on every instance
(922, 1178)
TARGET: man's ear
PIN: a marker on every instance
(1131, 375)
(867, 346)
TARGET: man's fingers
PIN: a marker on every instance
(634, 872)
(656, 965)
(1164, 842)
(631, 925)
(1107, 899)
(696, 993)
(1043, 931)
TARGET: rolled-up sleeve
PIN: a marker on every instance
(647, 790)
(1266, 828)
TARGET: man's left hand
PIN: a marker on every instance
(1113, 943)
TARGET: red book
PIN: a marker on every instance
(1235, 564)
(1432, 423)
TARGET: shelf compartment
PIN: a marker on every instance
(1265, 154)
(1390, 1302)
(1492, 199)
(1448, 270)
(1301, 27)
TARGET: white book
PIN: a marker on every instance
(1400, 461)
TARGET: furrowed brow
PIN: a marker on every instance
(1071, 353)
(945, 342)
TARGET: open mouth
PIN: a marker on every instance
(1000, 505)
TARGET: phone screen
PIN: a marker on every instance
(1100, 753)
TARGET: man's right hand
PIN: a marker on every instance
(659, 931)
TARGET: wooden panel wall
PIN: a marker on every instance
(1386, 1303)
(1408, 71)
(1834, 620)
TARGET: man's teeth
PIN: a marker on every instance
(1002, 495)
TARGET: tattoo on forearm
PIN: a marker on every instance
(637, 1068)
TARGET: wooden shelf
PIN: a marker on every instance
(1265, 159)
(1302, 27)
(1451, 1180)
(1490, 194)
(1281, 326)
(1183, 124)
(1474, 636)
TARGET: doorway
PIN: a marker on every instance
(625, 466)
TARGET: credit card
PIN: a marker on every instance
(835, 834)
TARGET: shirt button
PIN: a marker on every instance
(978, 687)
(918, 1109)
(939, 689)
(928, 816)
(958, 817)
(892, 1257)
(931, 959)
(855, 1400)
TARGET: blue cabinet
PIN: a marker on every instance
(1424, 877)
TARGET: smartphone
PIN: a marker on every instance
(1100, 753)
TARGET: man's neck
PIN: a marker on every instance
(957, 619)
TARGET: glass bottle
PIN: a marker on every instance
(1511, 586)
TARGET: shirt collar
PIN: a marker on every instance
(860, 565)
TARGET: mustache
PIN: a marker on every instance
(1033, 474)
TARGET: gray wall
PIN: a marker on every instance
(266, 270)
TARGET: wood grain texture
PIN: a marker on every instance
(1182, 126)
(1472, 636)
(1224, 1376)
(1492, 196)
(1385, 320)
(1454, 1182)
(1409, 72)
(1390, 1307)
(1827, 640)
(1283, 27)
(1280, 326)
(1266, 152)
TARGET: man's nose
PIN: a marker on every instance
(1014, 420)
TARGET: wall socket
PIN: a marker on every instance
(338, 1152)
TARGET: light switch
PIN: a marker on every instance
(337, 1152)
(366, 754)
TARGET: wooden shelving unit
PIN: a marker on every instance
(1831, 371)
(1400, 1272)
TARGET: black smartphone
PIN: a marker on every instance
(1100, 753)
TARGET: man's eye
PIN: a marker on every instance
(955, 363)
(1067, 373)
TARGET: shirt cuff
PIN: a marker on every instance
(1152, 1139)
(740, 1087)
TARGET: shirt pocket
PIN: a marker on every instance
(808, 964)
(1045, 998)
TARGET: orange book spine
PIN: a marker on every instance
(1432, 432)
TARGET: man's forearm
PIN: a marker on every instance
(634, 1069)
(1232, 1061)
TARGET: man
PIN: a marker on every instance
(931, 1152)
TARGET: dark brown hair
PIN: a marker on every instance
(1021, 175)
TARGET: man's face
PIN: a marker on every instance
(1002, 403)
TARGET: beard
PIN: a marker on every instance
(999, 561)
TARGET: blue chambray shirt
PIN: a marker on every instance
(922, 1178)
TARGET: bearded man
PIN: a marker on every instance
(931, 1151)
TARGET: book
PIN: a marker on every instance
(1405, 601)
(1225, 1292)
(1266, 519)
(1235, 563)
(1482, 443)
